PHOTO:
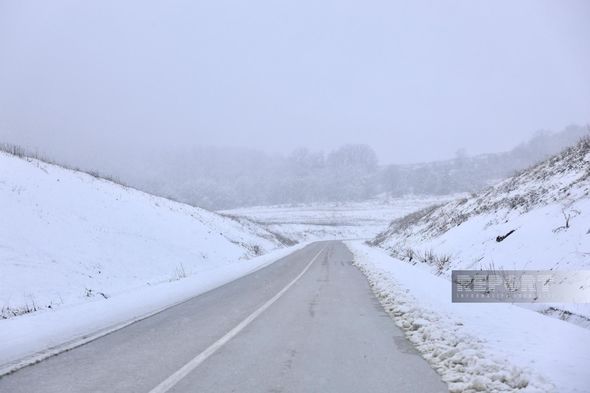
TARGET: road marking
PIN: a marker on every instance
(86, 338)
(172, 380)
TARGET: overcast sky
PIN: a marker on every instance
(415, 80)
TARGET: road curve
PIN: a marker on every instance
(307, 323)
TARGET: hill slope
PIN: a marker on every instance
(547, 206)
(67, 236)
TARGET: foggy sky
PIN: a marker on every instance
(415, 80)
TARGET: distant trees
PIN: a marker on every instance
(361, 158)
(351, 173)
(466, 173)
(219, 178)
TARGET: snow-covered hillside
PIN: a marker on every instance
(68, 237)
(547, 207)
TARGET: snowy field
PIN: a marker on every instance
(337, 220)
(477, 347)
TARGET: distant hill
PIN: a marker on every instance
(468, 174)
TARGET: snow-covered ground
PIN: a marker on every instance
(335, 220)
(547, 206)
(477, 347)
(68, 237)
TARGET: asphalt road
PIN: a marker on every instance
(307, 323)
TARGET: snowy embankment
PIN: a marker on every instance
(538, 219)
(477, 347)
(73, 244)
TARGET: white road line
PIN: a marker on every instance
(172, 380)
(83, 339)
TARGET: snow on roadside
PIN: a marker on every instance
(477, 347)
(36, 336)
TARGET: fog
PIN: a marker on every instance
(278, 75)
(107, 83)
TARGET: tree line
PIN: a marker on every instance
(222, 178)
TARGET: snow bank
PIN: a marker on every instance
(477, 347)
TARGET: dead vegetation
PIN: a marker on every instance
(567, 216)
(20, 152)
(441, 262)
(10, 311)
